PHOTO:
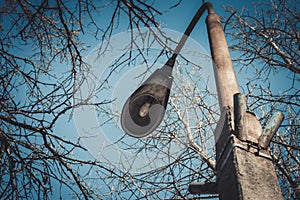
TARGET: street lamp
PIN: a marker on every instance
(243, 163)
(145, 108)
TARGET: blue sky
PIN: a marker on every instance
(175, 20)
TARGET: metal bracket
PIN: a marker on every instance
(248, 146)
(203, 188)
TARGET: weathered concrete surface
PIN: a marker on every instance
(256, 176)
(244, 170)
(226, 82)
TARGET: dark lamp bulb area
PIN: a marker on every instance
(140, 108)
(144, 110)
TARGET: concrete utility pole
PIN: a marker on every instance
(244, 166)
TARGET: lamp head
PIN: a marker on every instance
(145, 108)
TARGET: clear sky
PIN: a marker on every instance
(176, 20)
(86, 121)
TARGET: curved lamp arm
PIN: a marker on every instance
(206, 6)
